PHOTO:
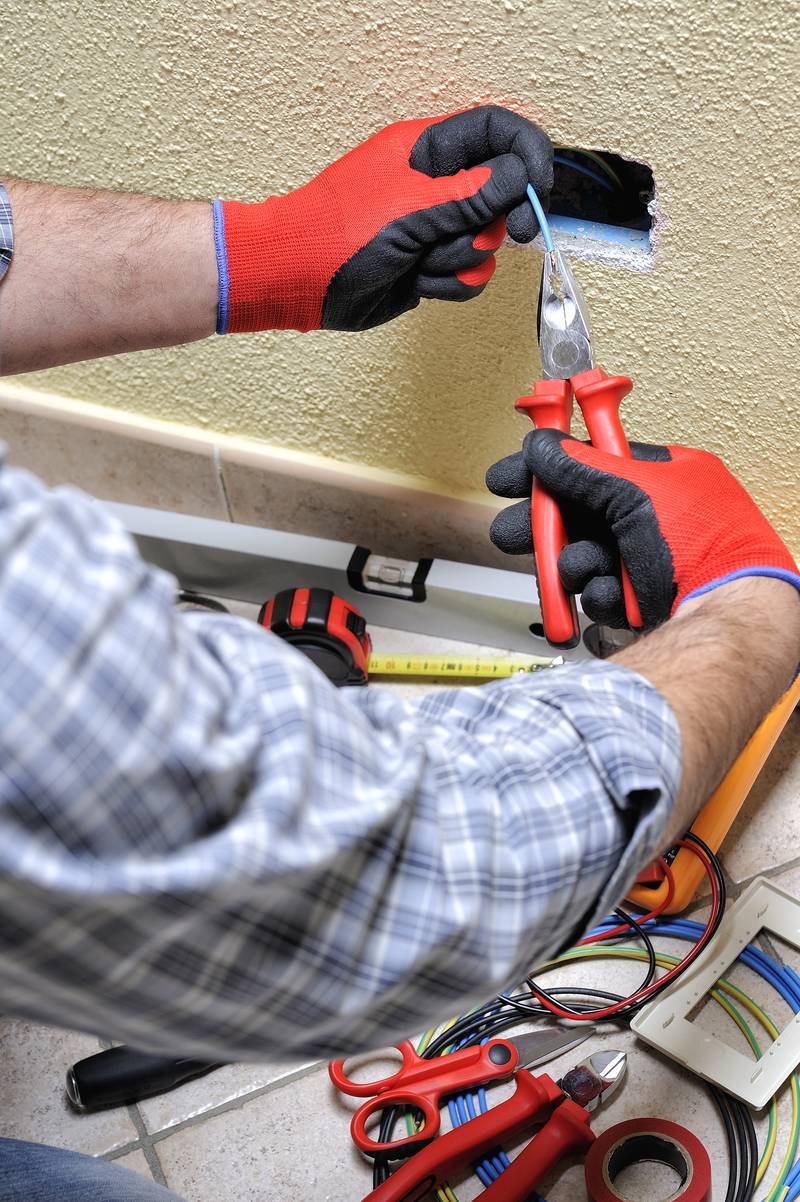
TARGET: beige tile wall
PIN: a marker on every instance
(121, 457)
(114, 466)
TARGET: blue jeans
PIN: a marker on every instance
(38, 1173)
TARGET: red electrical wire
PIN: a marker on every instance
(654, 986)
(626, 929)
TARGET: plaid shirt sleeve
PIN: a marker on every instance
(205, 846)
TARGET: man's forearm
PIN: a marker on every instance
(99, 273)
(722, 663)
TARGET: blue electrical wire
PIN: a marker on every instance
(541, 217)
(584, 170)
(782, 978)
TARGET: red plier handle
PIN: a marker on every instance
(550, 406)
(535, 1099)
(566, 1131)
(599, 397)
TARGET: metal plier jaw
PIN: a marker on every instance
(595, 1079)
(565, 337)
(569, 374)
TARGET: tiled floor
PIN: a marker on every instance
(261, 1133)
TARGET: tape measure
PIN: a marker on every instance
(334, 635)
(463, 668)
(325, 628)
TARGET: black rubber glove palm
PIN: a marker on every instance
(590, 564)
(683, 523)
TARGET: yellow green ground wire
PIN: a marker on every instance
(778, 1191)
(445, 1193)
(722, 987)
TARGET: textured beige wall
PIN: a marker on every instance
(241, 98)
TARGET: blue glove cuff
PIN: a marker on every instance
(222, 267)
(774, 573)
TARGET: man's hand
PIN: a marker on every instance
(680, 520)
(415, 211)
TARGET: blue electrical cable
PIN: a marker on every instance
(541, 217)
(584, 170)
(783, 979)
(464, 1107)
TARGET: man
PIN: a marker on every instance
(203, 845)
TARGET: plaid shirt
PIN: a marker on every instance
(6, 232)
(204, 846)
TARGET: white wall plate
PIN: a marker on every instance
(664, 1022)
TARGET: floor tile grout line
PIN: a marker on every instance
(236, 1103)
(133, 1145)
(769, 947)
(150, 1154)
(774, 870)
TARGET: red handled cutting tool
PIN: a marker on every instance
(423, 1084)
(561, 1110)
(565, 345)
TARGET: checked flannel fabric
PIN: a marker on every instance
(205, 847)
(6, 232)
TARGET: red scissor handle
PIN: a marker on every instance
(422, 1084)
(366, 1089)
(550, 406)
(599, 397)
(434, 1164)
(406, 1145)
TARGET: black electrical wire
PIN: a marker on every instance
(750, 1132)
(531, 1010)
(708, 935)
(505, 1011)
(494, 1017)
(188, 597)
(748, 1164)
(733, 1143)
(639, 933)
(742, 1146)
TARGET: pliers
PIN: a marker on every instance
(565, 345)
(561, 1110)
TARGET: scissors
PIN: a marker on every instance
(564, 1107)
(422, 1084)
(565, 345)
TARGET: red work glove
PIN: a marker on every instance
(681, 521)
(413, 212)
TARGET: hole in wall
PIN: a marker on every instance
(592, 185)
(604, 207)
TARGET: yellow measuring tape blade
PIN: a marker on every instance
(455, 668)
